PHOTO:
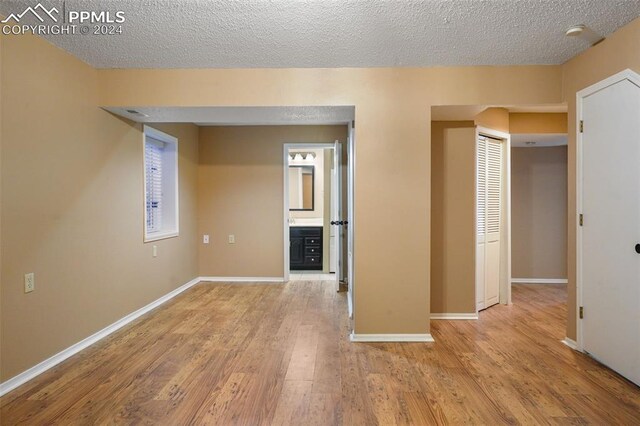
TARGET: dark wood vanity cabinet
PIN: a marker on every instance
(305, 250)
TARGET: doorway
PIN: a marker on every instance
(318, 212)
(539, 183)
(314, 198)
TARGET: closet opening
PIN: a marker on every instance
(493, 219)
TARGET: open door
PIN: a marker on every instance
(337, 223)
(350, 215)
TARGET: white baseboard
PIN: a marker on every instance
(447, 316)
(571, 343)
(539, 281)
(391, 338)
(56, 359)
(244, 280)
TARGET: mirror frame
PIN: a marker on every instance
(313, 188)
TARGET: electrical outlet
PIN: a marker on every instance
(205, 239)
(232, 239)
(29, 282)
(155, 251)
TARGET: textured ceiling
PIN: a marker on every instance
(239, 116)
(337, 33)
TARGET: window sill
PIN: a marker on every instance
(160, 236)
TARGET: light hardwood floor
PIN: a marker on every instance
(279, 354)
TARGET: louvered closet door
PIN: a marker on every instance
(488, 221)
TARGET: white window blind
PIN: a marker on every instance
(153, 153)
(489, 185)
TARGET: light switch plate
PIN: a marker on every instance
(29, 282)
(232, 239)
(205, 239)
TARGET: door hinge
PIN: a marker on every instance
(581, 312)
(581, 219)
(581, 126)
(353, 124)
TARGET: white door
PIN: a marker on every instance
(336, 212)
(488, 221)
(350, 213)
(611, 229)
(333, 229)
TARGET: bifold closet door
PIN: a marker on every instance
(488, 221)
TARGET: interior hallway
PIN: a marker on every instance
(279, 354)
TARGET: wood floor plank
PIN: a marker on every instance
(279, 354)
(293, 404)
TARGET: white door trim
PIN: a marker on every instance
(351, 206)
(505, 250)
(634, 78)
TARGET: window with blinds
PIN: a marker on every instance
(153, 151)
(489, 186)
(160, 185)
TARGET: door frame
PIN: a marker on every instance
(351, 208)
(285, 190)
(505, 240)
(634, 78)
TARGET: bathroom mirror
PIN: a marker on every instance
(301, 188)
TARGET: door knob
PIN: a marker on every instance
(333, 222)
(638, 248)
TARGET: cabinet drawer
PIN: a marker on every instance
(312, 251)
(311, 241)
(312, 260)
(300, 231)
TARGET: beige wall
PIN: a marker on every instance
(1, 135)
(240, 169)
(494, 119)
(453, 217)
(536, 123)
(393, 162)
(72, 208)
(539, 212)
(618, 52)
